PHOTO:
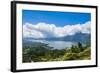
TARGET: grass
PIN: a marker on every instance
(42, 54)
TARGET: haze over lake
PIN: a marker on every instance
(56, 44)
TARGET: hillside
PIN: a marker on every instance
(44, 53)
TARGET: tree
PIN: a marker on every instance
(80, 46)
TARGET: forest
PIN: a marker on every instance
(44, 53)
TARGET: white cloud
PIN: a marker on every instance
(42, 30)
(29, 32)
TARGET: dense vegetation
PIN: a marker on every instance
(44, 53)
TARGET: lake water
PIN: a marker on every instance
(56, 44)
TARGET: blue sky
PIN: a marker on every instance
(44, 24)
(57, 18)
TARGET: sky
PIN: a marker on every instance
(58, 18)
(43, 24)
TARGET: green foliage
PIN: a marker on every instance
(70, 56)
(45, 53)
(86, 54)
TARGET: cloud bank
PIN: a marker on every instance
(44, 30)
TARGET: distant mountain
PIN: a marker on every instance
(78, 37)
(27, 43)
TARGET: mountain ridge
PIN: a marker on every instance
(78, 37)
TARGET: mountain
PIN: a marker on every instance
(78, 37)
